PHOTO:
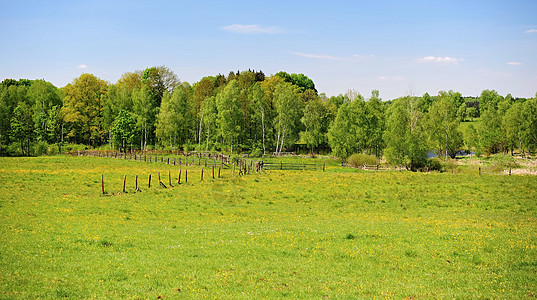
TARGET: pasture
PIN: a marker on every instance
(342, 233)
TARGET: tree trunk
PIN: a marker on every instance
(199, 132)
(208, 132)
(263, 125)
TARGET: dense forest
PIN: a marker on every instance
(249, 112)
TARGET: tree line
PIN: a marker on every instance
(250, 112)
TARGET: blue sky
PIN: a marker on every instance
(397, 47)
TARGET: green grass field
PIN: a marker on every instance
(296, 234)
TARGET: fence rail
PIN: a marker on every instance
(290, 166)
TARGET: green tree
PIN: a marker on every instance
(462, 112)
(316, 123)
(405, 140)
(489, 99)
(158, 80)
(145, 111)
(261, 110)
(55, 123)
(203, 89)
(529, 124)
(22, 127)
(123, 130)
(173, 119)
(348, 132)
(472, 112)
(375, 124)
(210, 111)
(229, 113)
(512, 125)
(471, 140)
(300, 80)
(288, 107)
(83, 106)
(44, 96)
(442, 124)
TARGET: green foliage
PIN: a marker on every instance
(288, 109)
(348, 132)
(300, 80)
(435, 164)
(404, 134)
(123, 130)
(256, 152)
(229, 113)
(441, 125)
(358, 160)
(82, 109)
(472, 112)
(316, 122)
(22, 127)
(41, 148)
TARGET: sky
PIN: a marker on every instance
(396, 47)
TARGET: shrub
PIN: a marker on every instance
(358, 160)
(41, 148)
(235, 158)
(188, 147)
(435, 164)
(256, 152)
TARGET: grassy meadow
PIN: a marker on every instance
(343, 233)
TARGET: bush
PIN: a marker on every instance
(256, 153)
(358, 160)
(235, 158)
(435, 164)
(188, 147)
(40, 148)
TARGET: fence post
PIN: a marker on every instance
(219, 172)
(213, 171)
(509, 171)
(202, 174)
(186, 176)
(102, 184)
(179, 177)
(124, 180)
(149, 182)
(169, 177)
(281, 165)
(136, 184)
(479, 171)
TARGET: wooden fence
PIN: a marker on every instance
(290, 166)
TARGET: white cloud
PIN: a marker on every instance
(514, 63)
(531, 31)
(252, 29)
(439, 59)
(82, 67)
(360, 56)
